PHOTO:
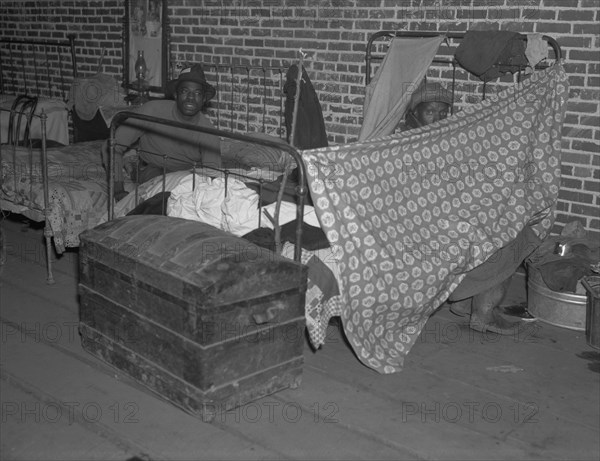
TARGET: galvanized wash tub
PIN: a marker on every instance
(566, 310)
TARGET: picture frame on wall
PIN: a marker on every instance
(146, 35)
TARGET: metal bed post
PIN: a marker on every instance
(35, 71)
(264, 74)
(23, 69)
(111, 168)
(71, 38)
(46, 185)
(281, 106)
(61, 74)
(232, 96)
(247, 99)
(1, 76)
(47, 70)
(12, 66)
(217, 83)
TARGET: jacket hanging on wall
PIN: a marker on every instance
(310, 126)
(492, 53)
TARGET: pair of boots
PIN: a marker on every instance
(486, 314)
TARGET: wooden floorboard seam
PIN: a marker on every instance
(504, 396)
(86, 359)
(33, 291)
(385, 395)
(98, 428)
(109, 371)
(360, 432)
(231, 430)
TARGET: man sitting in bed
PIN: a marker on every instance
(191, 92)
(482, 290)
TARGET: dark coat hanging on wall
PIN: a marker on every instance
(492, 53)
(310, 127)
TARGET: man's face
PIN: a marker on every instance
(190, 98)
(430, 112)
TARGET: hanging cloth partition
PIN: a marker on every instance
(388, 94)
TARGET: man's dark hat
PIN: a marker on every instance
(191, 74)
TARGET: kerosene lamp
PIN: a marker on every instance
(140, 72)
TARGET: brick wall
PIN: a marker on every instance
(333, 34)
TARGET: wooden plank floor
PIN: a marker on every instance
(462, 395)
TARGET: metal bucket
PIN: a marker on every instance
(566, 310)
(592, 313)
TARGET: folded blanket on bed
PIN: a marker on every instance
(411, 214)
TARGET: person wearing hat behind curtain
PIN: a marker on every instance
(481, 292)
(186, 97)
(429, 103)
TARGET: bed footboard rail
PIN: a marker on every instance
(301, 190)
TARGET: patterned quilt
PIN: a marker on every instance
(409, 215)
(77, 188)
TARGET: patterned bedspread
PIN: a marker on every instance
(409, 215)
(77, 188)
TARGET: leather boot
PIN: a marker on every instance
(461, 308)
(485, 315)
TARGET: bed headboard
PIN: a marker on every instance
(38, 68)
(444, 60)
(249, 98)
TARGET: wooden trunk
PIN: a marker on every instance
(206, 320)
